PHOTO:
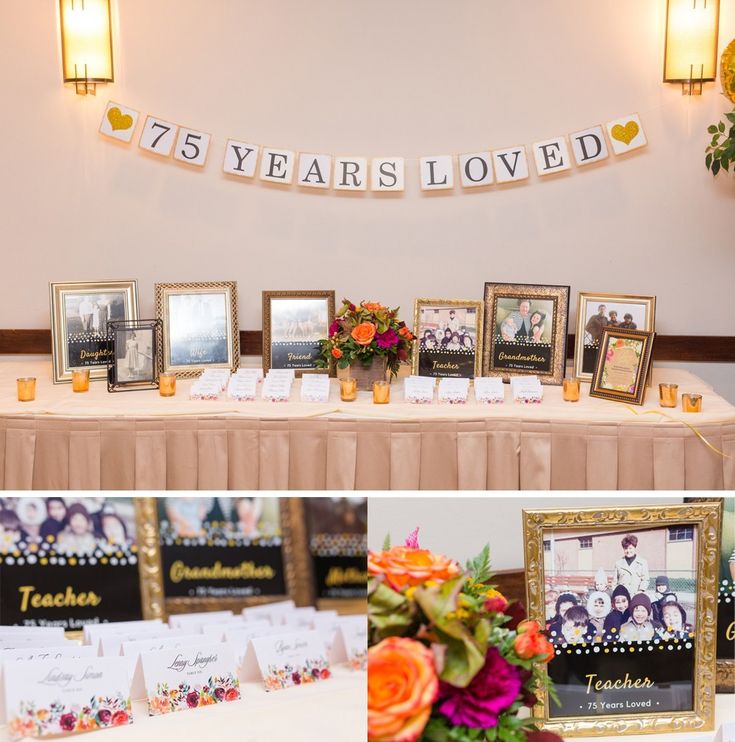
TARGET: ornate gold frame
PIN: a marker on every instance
(229, 288)
(267, 296)
(59, 354)
(419, 304)
(706, 518)
(149, 558)
(295, 559)
(584, 298)
(559, 295)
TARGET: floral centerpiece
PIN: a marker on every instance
(360, 333)
(450, 658)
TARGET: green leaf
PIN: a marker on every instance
(715, 167)
(714, 141)
(721, 127)
(730, 117)
(712, 129)
(708, 161)
(479, 567)
(386, 542)
(725, 162)
(390, 613)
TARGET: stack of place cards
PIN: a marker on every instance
(238, 638)
(220, 376)
(277, 384)
(194, 621)
(454, 390)
(526, 389)
(243, 387)
(419, 389)
(315, 388)
(256, 373)
(96, 634)
(489, 389)
(27, 637)
(205, 389)
(272, 612)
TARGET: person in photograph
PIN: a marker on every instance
(86, 310)
(187, 515)
(631, 570)
(222, 511)
(249, 510)
(563, 603)
(598, 607)
(454, 343)
(731, 565)
(596, 324)
(446, 339)
(674, 622)
(78, 535)
(640, 626)
(537, 326)
(601, 584)
(576, 627)
(453, 322)
(627, 323)
(10, 530)
(467, 343)
(517, 325)
(32, 513)
(113, 529)
(132, 358)
(619, 614)
(99, 317)
(431, 343)
(56, 518)
(613, 321)
(661, 587)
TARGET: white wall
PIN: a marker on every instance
(460, 526)
(419, 77)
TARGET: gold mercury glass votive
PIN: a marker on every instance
(381, 392)
(80, 379)
(571, 390)
(667, 394)
(26, 388)
(691, 402)
(167, 384)
(348, 389)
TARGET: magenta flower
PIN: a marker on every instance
(334, 328)
(412, 542)
(104, 716)
(68, 721)
(387, 339)
(492, 691)
(192, 699)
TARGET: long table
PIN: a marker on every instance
(140, 440)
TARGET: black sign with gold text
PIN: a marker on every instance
(340, 576)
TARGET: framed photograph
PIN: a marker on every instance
(337, 528)
(69, 561)
(293, 324)
(221, 553)
(623, 363)
(448, 338)
(80, 312)
(199, 326)
(627, 597)
(525, 331)
(133, 363)
(597, 311)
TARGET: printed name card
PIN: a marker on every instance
(353, 636)
(110, 644)
(257, 373)
(489, 389)
(454, 390)
(243, 388)
(239, 639)
(277, 388)
(526, 389)
(189, 677)
(269, 611)
(203, 389)
(284, 660)
(8, 631)
(30, 654)
(299, 618)
(50, 697)
(186, 620)
(219, 376)
(419, 389)
(27, 640)
(315, 388)
(281, 373)
(93, 631)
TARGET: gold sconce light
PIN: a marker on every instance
(86, 43)
(690, 55)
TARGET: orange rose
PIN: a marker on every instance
(364, 333)
(404, 567)
(406, 333)
(372, 307)
(531, 643)
(336, 352)
(402, 686)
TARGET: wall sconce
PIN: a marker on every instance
(690, 55)
(86, 43)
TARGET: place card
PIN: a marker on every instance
(257, 373)
(7, 631)
(268, 610)
(453, 390)
(110, 644)
(62, 651)
(315, 388)
(526, 389)
(239, 639)
(189, 677)
(353, 636)
(209, 390)
(419, 389)
(219, 376)
(182, 620)
(51, 697)
(243, 388)
(93, 631)
(277, 389)
(489, 389)
(21, 641)
(284, 660)
(281, 373)
(216, 630)
(299, 618)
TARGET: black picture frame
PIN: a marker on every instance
(135, 345)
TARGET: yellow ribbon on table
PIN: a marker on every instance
(691, 427)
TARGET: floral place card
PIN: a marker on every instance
(93, 631)
(268, 610)
(353, 636)
(243, 388)
(52, 697)
(189, 677)
(277, 389)
(239, 639)
(256, 373)
(185, 620)
(489, 389)
(453, 390)
(526, 389)
(284, 660)
(419, 389)
(110, 644)
(315, 388)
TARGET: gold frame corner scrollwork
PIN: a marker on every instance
(706, 517)
(149, 558)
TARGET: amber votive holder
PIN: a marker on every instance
(348, 389)
(381, 392)
(26, 388)
(691, 402)
(167, 384)
(571, 390)
(667, 394)
(80, 379)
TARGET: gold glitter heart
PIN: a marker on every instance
(118, 120)
(625, 134)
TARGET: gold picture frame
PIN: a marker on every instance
(704, 520)
(422, 361)
(296, 566)
(514, 344)
(585, 353)
(296, 339)
(80, 311)
(149, 558)
(622, 376)
(218, 343)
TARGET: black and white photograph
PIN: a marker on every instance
(134, 355)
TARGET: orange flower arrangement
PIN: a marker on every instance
(404, 566)
(402, 686)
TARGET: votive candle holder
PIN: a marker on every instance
(348, 389)
(691, 402)
(80, 379)
(667, 395)
(26, 388)
(167, 384)
(381, 392)
(570, 390)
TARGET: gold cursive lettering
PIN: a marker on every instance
(730, 632)
(67, 599)
(520, 357)
(297, 357)
(452, 366)
(343, 576)
(618, 683)
(96, 354)
(243, 571)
